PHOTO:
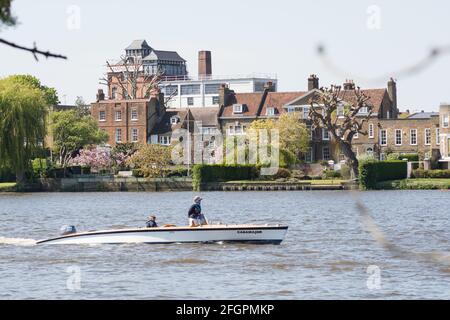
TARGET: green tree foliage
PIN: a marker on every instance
(6, 17)
(23, 110)
(71, 132)
(152, 160)
(50, 94)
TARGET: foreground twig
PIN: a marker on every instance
(35, 51)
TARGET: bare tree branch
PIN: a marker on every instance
(35, 51)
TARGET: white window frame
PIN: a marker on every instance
(401, 137)
(438, 136)
(411, 137)
(118, 115)
(118, 135)
(174, 120)
(164, 140)
(270, 111)
(306, 112)
(325, 134)
(385, 137)
(371, 131)
(100, 117)
(134, 114)
(323, 153)
(445, 121)
(134, 135)
(427, 137)
(238, 108)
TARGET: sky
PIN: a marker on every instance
(367, 41)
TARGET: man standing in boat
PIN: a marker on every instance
(196, 218)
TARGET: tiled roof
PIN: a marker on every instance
(376, 97)
(251, 102)
(207, 115)
(164, 125)
(423, 115)
(164, 55)
(279, 99)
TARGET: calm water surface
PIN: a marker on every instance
(325, 255)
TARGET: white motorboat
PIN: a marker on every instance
(255, 234)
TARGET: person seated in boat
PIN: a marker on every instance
(151, 222)
(196, 218)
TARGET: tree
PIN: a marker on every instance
(94, 158)
(71, 132)
(133, 81)
(23, 110)
(152, 160)
(50, 94)
(294, 136)
(324, 114)
(83, 108)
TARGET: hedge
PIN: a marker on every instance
(372, 172)
(400, 156)
(431, 174)
(212, 173)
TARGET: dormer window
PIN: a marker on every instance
(270, 111)
(237, 108)
(174, 120)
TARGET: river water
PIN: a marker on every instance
(328, 253)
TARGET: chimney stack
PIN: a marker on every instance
(100, 95)
(392, 92)
(349, 85)
(313, 82)
(204, 64)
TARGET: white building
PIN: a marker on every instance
(203, 91)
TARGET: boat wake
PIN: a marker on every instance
(17, 241)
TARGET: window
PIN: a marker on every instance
(340, 111)
(371, 131)
(118, 135)
(174, 120)
(325, 134)
(164, 140)
(382, 156)
(438, 137)
(305, 112)
(310, 131)
(236, 130)
(270, 111)
(363, 110)
(171, 90)
(237, 108)
(369, 151)
(190, 101)
(113, 93)
(413, 137)
(383, 137)
(212, 88)
(102, 115)
(215, 100)
(398, 137)
(427, 136)
(134, 135)
(445, 121)
(118, 115)
(326, 153)
(190, 89)
(134, 114)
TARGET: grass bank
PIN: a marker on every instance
(414, 184)
(7, 186)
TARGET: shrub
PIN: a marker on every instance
(212, 173)
(7, 174)
(178, 172)
(331, 174)
(431, 174)
(371, 172)
(282, 174)
(345, 171)
(137, 173)
(401, 156)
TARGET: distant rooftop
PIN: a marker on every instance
(221, 77)
(423, 115)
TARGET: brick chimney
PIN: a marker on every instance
(349, 85)
(225, 95)
(204, 64)
(392, 92)
(100, 95)
(313, 82)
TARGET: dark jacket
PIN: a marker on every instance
(151, 224)
(194, 211)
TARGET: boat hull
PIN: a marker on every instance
(206, 234)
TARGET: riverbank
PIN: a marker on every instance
(7, 186)
(414, 184)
